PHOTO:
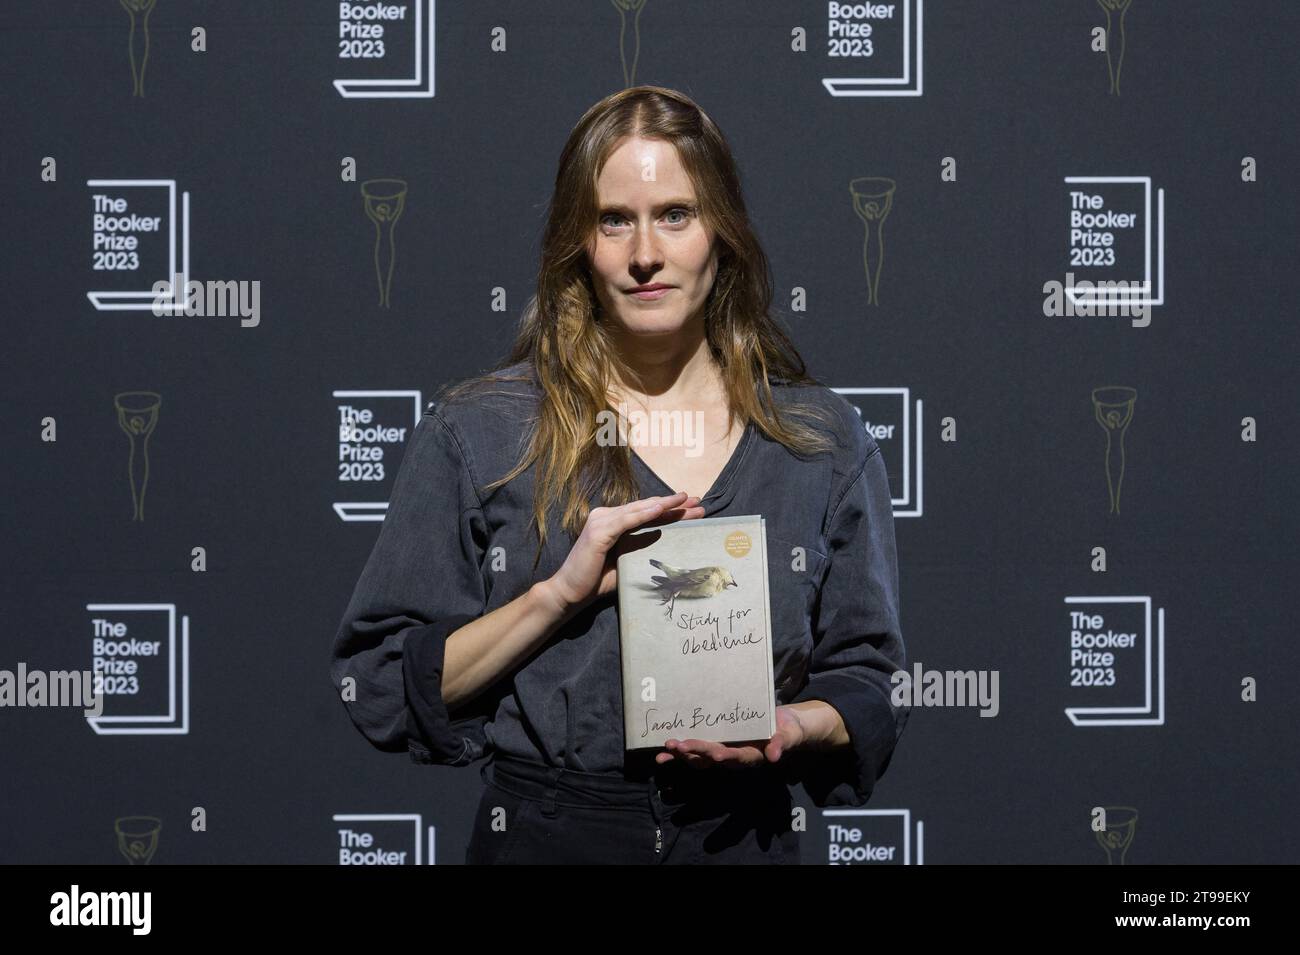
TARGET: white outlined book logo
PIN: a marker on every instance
(880, 46)
(142, 669)
(131, 241)
(1105, 246)
(372, 428)
(1115, 657)
(390, 37)
(872, 837)
(382, 839)
(889, 415)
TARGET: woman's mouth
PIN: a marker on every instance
(650, 292)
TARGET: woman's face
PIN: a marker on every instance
(649, 234)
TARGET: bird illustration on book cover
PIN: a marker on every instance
(693, 583)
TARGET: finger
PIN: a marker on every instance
(636, 512)
(685, 759)
(685, 755)
(702, 746)
(687, 510)
(677, 504)
(666, 502)
(707, 750)
(672, 517)
(663, 500)
(725, 756)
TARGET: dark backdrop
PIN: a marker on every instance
(999, 513)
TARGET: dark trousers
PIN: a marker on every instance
(675, 814)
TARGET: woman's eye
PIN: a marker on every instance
(614, 219)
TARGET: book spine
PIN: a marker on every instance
(625, 663)
(767, 611)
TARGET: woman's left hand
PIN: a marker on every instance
(790, 732)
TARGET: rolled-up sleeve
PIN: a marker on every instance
(857, 644)
(422, 582)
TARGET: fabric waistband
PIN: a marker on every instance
(675, 783)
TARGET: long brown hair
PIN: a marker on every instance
(569, 350)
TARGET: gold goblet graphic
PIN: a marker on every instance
(384, 200)
(624, 7)
(1120, 7)
(1113, 408)
(1121, 824)
(873, 197)
(137, 416)
(137, 837)
(134, 7)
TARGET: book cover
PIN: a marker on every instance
(695, 635)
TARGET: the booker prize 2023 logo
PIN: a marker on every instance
(873, 837)
(140, 256)
(140, 656)
(372, 428)
(890, 417)
(1115, 252)
(853, 48)
(382, 839)
(1116, 656)
(870, 49)
(385, 48)
(138, 237)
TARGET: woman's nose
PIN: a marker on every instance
(645, 252)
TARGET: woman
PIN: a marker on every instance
(653, 295)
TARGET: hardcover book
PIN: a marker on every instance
(695, 637)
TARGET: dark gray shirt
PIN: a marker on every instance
(450, 551)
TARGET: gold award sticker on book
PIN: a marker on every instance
(738, 544)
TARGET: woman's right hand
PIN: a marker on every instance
(590, 571)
